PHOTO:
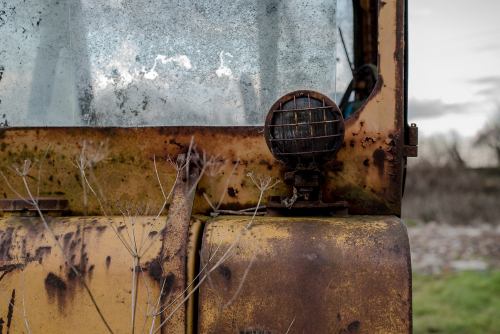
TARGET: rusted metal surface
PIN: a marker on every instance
(332, 275)
(410, 151)
(56, 301)
(367, 170)
(193, 246)
(44, 203)
(352, 274)
(305, 208)
(413, 135)
(173, 253)
(129, 171)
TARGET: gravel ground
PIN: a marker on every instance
(436, 248)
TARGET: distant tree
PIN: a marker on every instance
(454, 154)
(490, 136)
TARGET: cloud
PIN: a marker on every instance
(435, 108)
(488, 88)
(488, 48)
(486, 80)
(491, 86)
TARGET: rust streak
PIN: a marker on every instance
(11, 310)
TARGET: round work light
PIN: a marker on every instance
(304, 129)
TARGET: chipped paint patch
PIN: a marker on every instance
(181, 60)
(223, 69)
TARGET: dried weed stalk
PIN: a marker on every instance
(22, 172)
(20, 266)
(88, 155)
(263, 183)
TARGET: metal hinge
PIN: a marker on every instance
(411, 150)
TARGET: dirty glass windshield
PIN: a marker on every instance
(345, 23)
(160, 63)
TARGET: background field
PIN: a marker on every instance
(452, 213)
(457, 303)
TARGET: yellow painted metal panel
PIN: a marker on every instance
(56, 300)
(332, 275)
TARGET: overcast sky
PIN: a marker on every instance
(454, 65)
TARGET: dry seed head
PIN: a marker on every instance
(214, 164)
(178, 163)
(262, 181)
(24, 169)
